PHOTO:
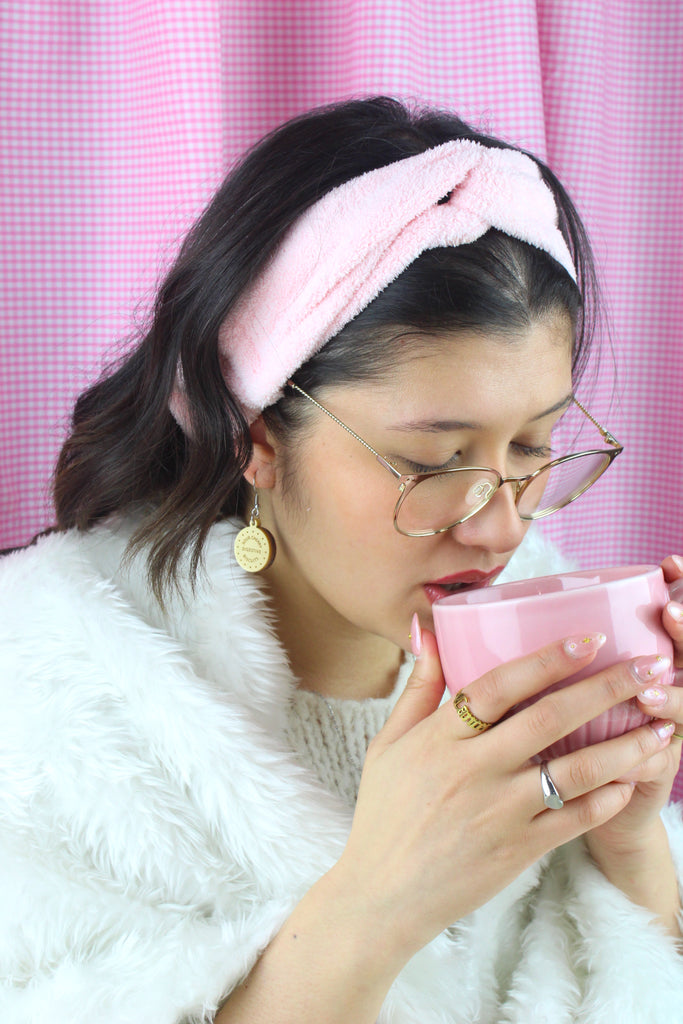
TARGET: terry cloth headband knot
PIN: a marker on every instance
(346, 248)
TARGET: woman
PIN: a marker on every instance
(374, 298)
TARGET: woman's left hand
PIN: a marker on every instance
(632, 848)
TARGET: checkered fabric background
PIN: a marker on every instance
(119, 118)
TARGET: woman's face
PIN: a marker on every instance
(465, 400)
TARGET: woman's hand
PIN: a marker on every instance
(447, 816)
(632, 848)
(654, 778)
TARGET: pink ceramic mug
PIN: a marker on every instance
(480, 629)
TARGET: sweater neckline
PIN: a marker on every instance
(330, 735)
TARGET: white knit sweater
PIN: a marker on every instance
(331, 735)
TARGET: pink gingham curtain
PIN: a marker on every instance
(118, 119)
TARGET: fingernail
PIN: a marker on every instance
(664, 730)
(581, 646)
(415, 636)
(645, 669)
(675, 610)
(653, 696)
(679, 562)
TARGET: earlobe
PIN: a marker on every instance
(262, 463)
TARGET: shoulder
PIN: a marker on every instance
(77, 619)
(72, 577)
(111, 704)
(47, 591)
(61, 561)
(61, 594)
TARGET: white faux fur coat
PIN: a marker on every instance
(156, 829)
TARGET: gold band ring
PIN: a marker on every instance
(677, 735)
(460, 703)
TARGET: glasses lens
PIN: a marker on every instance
(438, 502)
(556, 487)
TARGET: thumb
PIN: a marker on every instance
(422, 694)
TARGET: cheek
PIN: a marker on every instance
(354, 523)
(347, 495)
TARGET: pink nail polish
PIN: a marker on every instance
(675, 610)
(653, 696)
(645, 669)
(581, 646)
(664, 730)
(415, 636)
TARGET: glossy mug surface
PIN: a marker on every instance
(480, 629)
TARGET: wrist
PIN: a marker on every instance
(626, 846)
(332, 960)
(365, 921)
(642, 868)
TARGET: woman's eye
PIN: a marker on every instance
(540, 453)
(418, 468)
(544, 451)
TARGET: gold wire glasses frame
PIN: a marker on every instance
(528, 490)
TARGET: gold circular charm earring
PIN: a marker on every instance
(254, 545)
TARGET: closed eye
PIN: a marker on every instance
(525, 451)
(532, 452)
(418, 468)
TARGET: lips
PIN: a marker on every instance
(457, 582)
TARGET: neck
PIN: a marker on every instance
(328, 654)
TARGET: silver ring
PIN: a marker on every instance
(551, 797)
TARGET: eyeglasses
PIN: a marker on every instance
(436, 501)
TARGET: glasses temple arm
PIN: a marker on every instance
(606, 435)
(382, 461)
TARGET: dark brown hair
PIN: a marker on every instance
(125, 450)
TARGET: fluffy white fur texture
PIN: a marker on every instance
(156, 829)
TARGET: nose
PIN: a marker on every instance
(497, 526)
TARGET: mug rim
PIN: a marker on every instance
(625, 572)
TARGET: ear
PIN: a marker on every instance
(262, 463)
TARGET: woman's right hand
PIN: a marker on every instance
(447, 816)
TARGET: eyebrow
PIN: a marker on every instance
(445, 426)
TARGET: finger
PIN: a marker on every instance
(672, 567)
(583, 814)
(664, 699)
(584, 771)
(672, 620)
(495, 693)
(661, 767)
(561, 711)
(422, 694)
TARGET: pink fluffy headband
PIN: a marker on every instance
(346, 248)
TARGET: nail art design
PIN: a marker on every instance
(653, 696)
(415, 636)
(581, 646)
(664, 730)
(645, 669)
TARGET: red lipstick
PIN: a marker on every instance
(458, 581)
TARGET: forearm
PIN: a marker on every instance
(645, 873)
(331, 961)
